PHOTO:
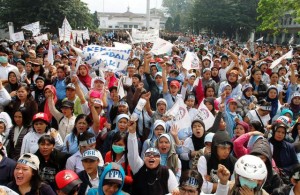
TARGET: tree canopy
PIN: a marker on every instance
(50, 13)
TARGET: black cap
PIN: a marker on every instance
(40, 78)
(137, 76)
(68, 104)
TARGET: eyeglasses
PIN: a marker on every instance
(155, 154)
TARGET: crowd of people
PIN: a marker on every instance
(65, 129)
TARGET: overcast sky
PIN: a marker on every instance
(136, 6)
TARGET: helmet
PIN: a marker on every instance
(251, 167)
(285, 120)
(66, 180)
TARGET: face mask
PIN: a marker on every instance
(118, 149)
(3, 59)
(245, 182)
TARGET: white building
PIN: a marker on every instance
(129, 20)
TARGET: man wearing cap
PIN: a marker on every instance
(67, 182)
(71, 96)
(92, 171)
(225, 66)
(263, 66)
(156, 85)
(60, 83)
(87, 141)
(5, 67)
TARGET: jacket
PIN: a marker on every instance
(14, 149)
(85, 180)
(7, 167)
(155, 94)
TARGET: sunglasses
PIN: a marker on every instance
(88, 160)
(155, 154)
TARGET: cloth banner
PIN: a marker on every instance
(260, 39)
(144, 36)
(180, 114)
(33, 27)
(205, 115)
(120, 90)
(161, 46)
(81, 33)
(50, 53)
(18, 36)
(115, 58)
(65, 31)
(191, 61)
(288, 55)
(39, 39)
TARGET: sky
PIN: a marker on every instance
(120, 6)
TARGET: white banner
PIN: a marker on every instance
(144, 36)
(39, 39)
(18, 36)
(180, 114)
(161, 46)
(81, 33)
(50, 53)
(115, 58)
(206, 116)
(191, 61)
(65, 31)
(260, 39)
(33, 27)
(288, 55)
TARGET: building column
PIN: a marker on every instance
(274, 39)
(282, 37)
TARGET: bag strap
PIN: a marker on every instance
(259, 118)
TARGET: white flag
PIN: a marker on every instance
(139, 36)
(288, 55)
(39, 39)
(180, 114)
(18, 36)
(81, 34)
(130, 37)
(50, 53)
(191, 61)
(120, 89)
(161, 46)
(206, 116)
(260, 39)
(291, 40)
(65, 32)
(33, 27)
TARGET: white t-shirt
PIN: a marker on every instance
(254, 117)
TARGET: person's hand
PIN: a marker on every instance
(140, 85)
(131, 126)
(74, 79)
(251, 106)
(146, 96)
(49, 95)
(2, 191)
(92, 102)
(165, 118)
(255, 93)
(53, 133)
(221, 107)
(176, 192)
(107, 125)
(207, 178)
(223, 96)
(13, 93)
(147, 58)
(115, 98)
(244, 190)
(237, 119)
(223, 174)
(1, 86)
(163, 65)
(174, 131)
(185, 82)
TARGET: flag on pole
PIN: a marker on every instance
(65, 32)
(50, 53)
(180, 115)
(71, 39)
(291, 40)
(288, 55)
(191, 61)
(33, 27)
(260, 39)
(161, 46)
(120, 89)
(18, 36)
(205, 115)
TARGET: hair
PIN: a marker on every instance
(191, 93)
(85, 136)
(295, 130)
(117, 137)
(253, 71)
(62, 68)
(48, 127)
(46, 138)
(27, 88)
(35, 181)
(263, 102)
(25, 117)
(208, 86)
(41, 72)
(191, 173)
(81, 116)
(257, 126)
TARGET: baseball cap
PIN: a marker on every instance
(91, 154)
(30, 160)
(113, 176)
(70, 86)
(206, 58)
(158, 74)
(263, 62)
(175, 83)
(231, 100)
(66, 180)
(152, 151)
(67, 104)
(246, 86)
(98, 101)
(99, 79)
(160, 60)
(123, 103)
(41, 116)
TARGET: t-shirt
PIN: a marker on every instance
(254, 117)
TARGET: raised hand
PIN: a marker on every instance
(223, 174)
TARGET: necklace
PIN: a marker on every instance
(150, 184)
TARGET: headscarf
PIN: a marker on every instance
(119, 117)
(274, 101)
(46, 107)
(85, 80)
(215, 78)
(198, 142)
(11, 86)
(295, 108)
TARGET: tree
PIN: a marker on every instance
(49, 13)
(177, 23)
(169, 24)
(271, 12)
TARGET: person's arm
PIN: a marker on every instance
(223, 184)
(217, 121)
(104, 98)
(57, 115)
(5, 98)
(293, 77)
(78, 90)
(58, 139)
(147, 96)
(147, 58)
(172, 183)
(207, 186)
(238, 145)
(164, 78)
(96, 118)
(134, 159)
(235, 58)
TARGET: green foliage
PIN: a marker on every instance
(49, 13)
(169, 24)
(272, 11)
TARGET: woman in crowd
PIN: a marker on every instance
(259, 88)
(37, 70)
(38, 93)
(41, 126)
(272, 97)
(248, 101)
(13, 83)
(84, 78)
(21, 126)
(118, 154)
(26, 177)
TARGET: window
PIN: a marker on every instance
(116, 26)
(109, 26)
(136, 26)
(125, 26)
(130, 26)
